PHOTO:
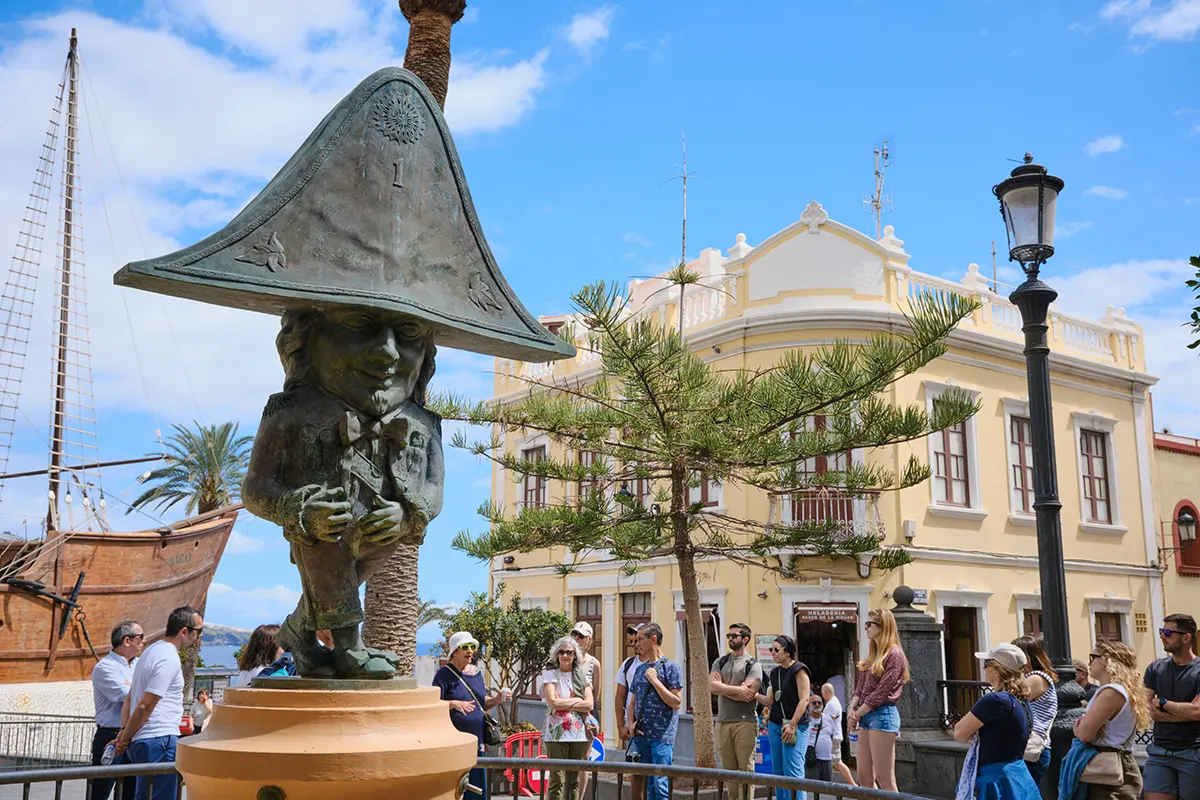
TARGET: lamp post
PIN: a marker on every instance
(1027, 201)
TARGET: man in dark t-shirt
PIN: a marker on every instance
(1173, 686)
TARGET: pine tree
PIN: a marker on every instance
(657, 413)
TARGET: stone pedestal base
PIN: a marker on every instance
(327, 740)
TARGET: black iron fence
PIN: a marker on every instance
(958, 697)
(520, 777)
(28, 741)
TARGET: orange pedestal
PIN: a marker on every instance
(312, 742)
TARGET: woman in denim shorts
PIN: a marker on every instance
(881, 678)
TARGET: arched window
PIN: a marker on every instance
(1187, 557)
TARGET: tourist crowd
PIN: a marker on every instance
(140, 706)
(1007, 730)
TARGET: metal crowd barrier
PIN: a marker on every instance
(610, 779)
(29, 741)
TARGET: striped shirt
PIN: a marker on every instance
(1044, 709)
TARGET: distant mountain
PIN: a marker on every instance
(221, 635)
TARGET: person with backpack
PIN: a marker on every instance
(736, 680)
(786, 693)
(657, 693)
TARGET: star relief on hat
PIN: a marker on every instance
(373, 211)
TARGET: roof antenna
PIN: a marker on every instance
(879, 203)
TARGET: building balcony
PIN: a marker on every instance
(852, 515)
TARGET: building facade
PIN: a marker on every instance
(970, 528)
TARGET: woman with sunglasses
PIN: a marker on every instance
(567, 690)
(461, 683)
(998, 728)
(787, 727)
(881, 678)
(1119, 708)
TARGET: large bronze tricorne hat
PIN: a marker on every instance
(372, 211)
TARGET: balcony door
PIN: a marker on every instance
(962, 643)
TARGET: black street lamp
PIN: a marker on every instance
(1027, 202)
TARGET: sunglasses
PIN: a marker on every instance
(468, 646)
(198, 631)
(1167, 632)
(734, 636)
(776, 649)
(137, 636)
(816, 704)
(1094, 656)
(869, 623)
(562, 653)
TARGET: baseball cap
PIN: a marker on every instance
(461, 638)
(1006, 655)
(632, 629)
(582, 628)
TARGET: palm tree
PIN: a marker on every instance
(429, 611)
(204, 469)
(392, 603)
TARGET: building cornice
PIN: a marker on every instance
(866, 319)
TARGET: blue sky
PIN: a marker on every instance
(568, 119)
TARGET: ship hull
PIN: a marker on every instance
(141, 575)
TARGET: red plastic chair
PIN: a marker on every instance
(527, 744)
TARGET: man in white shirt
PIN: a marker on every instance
(833, 718)
(154, 707)
(112, 678)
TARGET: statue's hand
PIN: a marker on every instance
(325, 514)
(385, 525)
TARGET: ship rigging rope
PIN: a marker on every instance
(142, 242)
(112, 240)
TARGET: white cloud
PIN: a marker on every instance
(586, 31)
(240, 544)
(637, 238)
(1196, 130)
(1171, 21)
(1153, 294)
(485, 98)
(1107, 192)
(1104, 144)
(1064, 229)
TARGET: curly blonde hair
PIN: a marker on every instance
(1122, 668)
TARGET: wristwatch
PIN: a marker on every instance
(1162, 704)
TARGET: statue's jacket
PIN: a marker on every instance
(310, 440)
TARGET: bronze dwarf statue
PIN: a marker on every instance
(368, 246)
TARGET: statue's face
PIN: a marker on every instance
(369, 359)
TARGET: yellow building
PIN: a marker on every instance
(970, 528)
(1177, 489)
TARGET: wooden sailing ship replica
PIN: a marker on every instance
(61, 594)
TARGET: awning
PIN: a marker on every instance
(825, 612)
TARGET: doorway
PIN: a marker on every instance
(962, 642)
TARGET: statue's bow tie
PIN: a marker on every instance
(354, 428)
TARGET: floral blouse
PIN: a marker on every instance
(563, 726)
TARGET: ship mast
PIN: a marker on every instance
(72, 419)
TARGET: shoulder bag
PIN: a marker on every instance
(1106, 767)
(810, 755)
(1036, 743)
(491, 729)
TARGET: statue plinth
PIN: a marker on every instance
(327, 740)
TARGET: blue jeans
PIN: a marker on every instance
(655, 753)
(885, 718)
(155, 750)
(787, 759)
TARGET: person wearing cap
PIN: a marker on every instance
(584, 636)
(998, 727)
(461, 683)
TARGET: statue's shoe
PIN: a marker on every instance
(313, 660)
(386, 655)
(362, 665)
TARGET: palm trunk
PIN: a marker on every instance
(702, 721)
(391, 599)
(428, 53)
(391, 608)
